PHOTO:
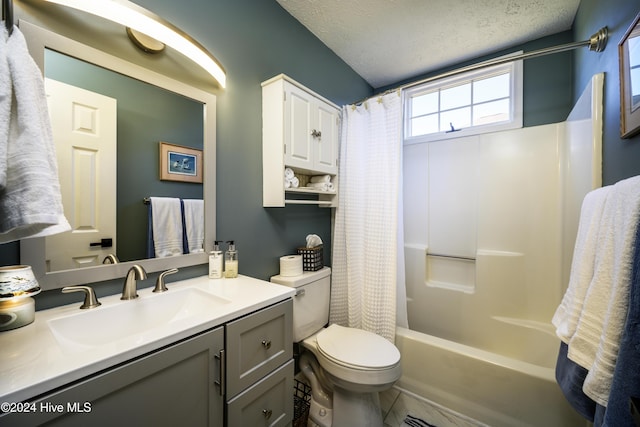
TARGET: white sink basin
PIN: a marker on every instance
(134, 318)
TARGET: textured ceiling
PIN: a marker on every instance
(386, 41)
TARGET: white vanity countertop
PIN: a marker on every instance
(34, 361)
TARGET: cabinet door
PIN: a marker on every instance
(298, 117)
(175, 386)
(257, 344)
(326, 143)
(268, 403)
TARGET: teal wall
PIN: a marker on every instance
(256, 40)
(547, 80)
(620, 157)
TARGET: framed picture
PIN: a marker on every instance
(178, 163)
(629, 58)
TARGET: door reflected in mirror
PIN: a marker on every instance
(107, 128)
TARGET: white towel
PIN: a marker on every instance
(288, 173)
(320, 178)
(566, 316)
(6, 90)
(167, 226)
(596, 341)
(323, 186)
(31, 205)
(194, 224)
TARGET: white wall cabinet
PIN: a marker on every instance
(300, 131)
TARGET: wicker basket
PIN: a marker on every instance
(311, 258)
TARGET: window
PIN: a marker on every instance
(486, 100)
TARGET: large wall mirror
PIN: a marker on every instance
(161, 109)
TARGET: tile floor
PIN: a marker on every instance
(396, 405)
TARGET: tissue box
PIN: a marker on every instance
(311, 258)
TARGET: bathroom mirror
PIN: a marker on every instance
(629, 58)
(44, 43)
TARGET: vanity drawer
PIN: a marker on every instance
(257, 344)
(268, 403)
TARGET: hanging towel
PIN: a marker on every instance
(166, 226)
(596, 341)
(31, 205)
(194, 224)
(566, 316)
(6, 90)
(626, 378)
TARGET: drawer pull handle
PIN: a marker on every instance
(267, 413)
(266, 344)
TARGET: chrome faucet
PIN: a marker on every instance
(129, 291)
(110, 259)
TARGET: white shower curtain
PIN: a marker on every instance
(368, 290)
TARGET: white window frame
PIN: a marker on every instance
(516, 120)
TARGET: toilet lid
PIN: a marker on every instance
(357, 347)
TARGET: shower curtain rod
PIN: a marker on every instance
(597, 42)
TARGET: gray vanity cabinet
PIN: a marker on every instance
(259, 360)
(174, 386)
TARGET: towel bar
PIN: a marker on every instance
(451, 256)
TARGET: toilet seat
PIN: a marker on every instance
(354, 359)
(357, 348)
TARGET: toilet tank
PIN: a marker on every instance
(311, 302)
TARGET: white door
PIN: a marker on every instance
(84, 131)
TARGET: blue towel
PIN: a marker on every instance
(626, 377)
(570, 377)
(151, 251)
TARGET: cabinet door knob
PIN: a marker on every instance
(267, 413)
(266, 344)
(316, 134)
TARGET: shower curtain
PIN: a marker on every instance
(368, 250)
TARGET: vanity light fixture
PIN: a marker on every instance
(130, 15)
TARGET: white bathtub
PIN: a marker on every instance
(491, 388)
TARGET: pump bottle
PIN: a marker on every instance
(215, 261)
(231, 261)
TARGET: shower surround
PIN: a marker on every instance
(490, 224)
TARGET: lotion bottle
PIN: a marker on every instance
(215, 261)
(231, 261)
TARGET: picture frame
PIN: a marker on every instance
(629, 60)
(180, 163)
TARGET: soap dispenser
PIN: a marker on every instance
(231, 261)
(215, 261)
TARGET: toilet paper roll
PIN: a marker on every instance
(291, 265)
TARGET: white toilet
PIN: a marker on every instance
(346, 367)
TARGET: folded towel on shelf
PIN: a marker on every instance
(596, 340)
(322, 186)
(320, 178)
(167, 230)
(194, 224)
(31, 204)
(566, 316)
(288, 173)
(290, 179)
